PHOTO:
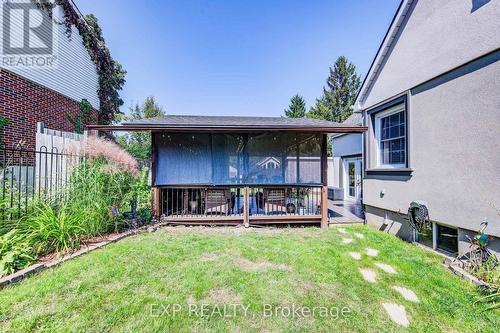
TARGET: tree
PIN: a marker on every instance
(138, 144)
(339, 94)
(320, 110)
(297, 107)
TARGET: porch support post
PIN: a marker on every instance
(155, 191)
(246, 212)
(155, 202)
(324, 181)
(324, 207)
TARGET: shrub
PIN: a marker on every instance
(15, 253)
(140, 191)
(145, 214)
(99, 193)
(489, 271)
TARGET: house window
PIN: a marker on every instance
(390, 134)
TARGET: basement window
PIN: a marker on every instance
(425, 237)
(447, 239)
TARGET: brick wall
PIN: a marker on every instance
(25, 103)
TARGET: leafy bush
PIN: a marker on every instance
(145, 214)
(99, 192)
(140, 192)
(15, 253)
(489, 271)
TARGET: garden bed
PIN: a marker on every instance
(54, 258)
(79, 211)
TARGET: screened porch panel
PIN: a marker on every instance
(233, 158)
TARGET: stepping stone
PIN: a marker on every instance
(342, 230)
(368, 275)
(355, 255)
(386, 268)
(360, 236)
(347, 240)
(397, 313)
(371, 252)
(407, 294)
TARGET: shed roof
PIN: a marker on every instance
(230, 123)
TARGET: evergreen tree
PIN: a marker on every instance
(297, 107)
(339, 94)
(320, 110)
(138, 144)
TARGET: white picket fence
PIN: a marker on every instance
(59, 141)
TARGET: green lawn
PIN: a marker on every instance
(129, 286)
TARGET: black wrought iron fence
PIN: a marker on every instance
(28, 174)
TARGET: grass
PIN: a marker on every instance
(123, 286)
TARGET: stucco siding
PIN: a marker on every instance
(74, 74)
(349, 144)
(437, 37)
(331, 174)
(336, 172)
(454, 150)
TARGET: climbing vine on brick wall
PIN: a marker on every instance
(3, 123)
(111, 73)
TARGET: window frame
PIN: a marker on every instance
(393, 109)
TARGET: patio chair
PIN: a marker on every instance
(217, 201)
(275, 201)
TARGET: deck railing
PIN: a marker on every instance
(235, 203)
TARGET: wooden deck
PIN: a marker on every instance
(222, 205)
(257, 220)
(344, 213)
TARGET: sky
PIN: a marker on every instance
(214, 57)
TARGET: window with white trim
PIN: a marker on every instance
(390, 134)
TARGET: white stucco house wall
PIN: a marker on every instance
(347, 163)
(431, 102)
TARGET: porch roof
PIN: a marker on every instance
(186, 123)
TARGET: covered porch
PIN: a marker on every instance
(239, 170)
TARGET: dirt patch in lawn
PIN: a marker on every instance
(307, 288)
(241, 262)
(217, 296)
(256, 266)
(211, 256)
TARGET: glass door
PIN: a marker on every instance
(352, 168)
(351, 179)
